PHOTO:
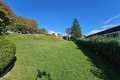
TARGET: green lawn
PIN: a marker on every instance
(59, 58)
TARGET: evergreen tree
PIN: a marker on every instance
(75, 30)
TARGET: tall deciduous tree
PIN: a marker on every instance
(4, 21)
(5, 16)
(75, 30)
(68, 32)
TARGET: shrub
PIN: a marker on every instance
(7, 52)
(107, 47)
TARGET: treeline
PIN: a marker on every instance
(12, 22)
(106, 47)
(24, 25)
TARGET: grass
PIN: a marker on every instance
(61, 59)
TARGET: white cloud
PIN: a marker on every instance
(106, 26)
(109, 26)
(63, 34)
(111, 19)
(93, 32)
(102, 28)
(51, 31)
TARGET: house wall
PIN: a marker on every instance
(113, 34)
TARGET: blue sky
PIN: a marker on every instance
(56, 15)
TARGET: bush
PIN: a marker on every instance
(7, 53)
(107, 47)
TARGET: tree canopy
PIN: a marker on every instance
(43, 31)
(22, 23)
(5, 17)
(16, 23)
(75, 30)
(68, 33)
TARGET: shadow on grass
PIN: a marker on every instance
(41, 74)
(8, 68)
(105, 69)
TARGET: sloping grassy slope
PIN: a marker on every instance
(61, 59)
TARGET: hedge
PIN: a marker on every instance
(107, 47)
(7, 53)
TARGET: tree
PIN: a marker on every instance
(6, 11)
(17, 23)
(24, 25)
(43, 31)
(68, 32)
(4, 21)
(75, 30)
(5, 17)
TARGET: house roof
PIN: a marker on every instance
(114, 29)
